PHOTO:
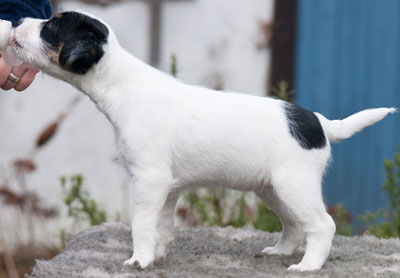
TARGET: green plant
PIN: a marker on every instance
(174, 68)
(221, 207)
(63, 238)
(282, 91)
(386, 222)
(81, 207)
(265, 219)
(207, 208)
(239, 212)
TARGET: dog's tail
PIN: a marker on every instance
(337, 130)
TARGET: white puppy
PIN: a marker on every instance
(174, 136)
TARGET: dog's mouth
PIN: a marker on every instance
(14, 41)
(17, 44)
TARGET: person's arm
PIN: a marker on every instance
(14, 10)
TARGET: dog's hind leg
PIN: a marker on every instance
(292, 233)
(165, 225)
(319, 234)
(151, 189)
(300, 192)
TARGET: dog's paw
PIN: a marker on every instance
(161, 252)
(301, 267)
(140, 263)
(274, 250)
(162, 245)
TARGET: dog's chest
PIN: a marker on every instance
(124, 153)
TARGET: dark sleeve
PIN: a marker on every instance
(14, 10)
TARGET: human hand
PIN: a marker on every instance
(19, 77)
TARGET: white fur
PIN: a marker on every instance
(342, 129)
(6, 34)
(174, 136)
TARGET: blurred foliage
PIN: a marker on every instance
(19, 261)
(386, 222)
(222, 207)
(15, 192)
(265, 219)
(342, 218)
(207, 208)
(219, 83)
(63, 238)
(239, 212)
(81, 207)
(281, 91)
(173, 69)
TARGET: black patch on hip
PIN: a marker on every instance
(305, 127)
(77, 40)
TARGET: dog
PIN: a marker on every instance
(174, 136)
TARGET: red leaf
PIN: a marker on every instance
(25, 165)
(47, 134)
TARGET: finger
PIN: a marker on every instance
(32, 67)
(26, 80)
(4, 72)
(18, 72)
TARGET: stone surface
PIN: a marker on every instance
(214, 252)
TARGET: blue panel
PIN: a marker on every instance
(348, 59)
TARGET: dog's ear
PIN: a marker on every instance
(94, 26)
(79, 56)
(85, 48)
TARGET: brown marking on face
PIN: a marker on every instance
(59, 15)
(54, 54)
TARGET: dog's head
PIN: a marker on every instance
(67, 45)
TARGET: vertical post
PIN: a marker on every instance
(55, 5)
(283, 43)
(155, 31)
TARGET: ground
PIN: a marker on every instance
(215, 252)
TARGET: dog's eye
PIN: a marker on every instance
(50, 25)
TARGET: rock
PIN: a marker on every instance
(215, 252)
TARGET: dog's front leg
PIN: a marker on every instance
(150, 193)
(165, 225)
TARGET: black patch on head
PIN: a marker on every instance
(305, 127)
(78, 39)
